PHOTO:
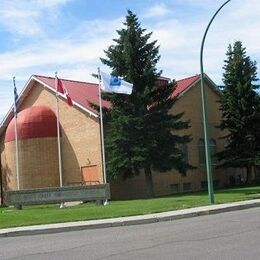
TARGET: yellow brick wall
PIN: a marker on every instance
(80, 141)
(190, 103)
(38, 163)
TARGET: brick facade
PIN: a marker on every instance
(80, 145)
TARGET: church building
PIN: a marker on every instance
(81, 140)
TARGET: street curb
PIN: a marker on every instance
(127, 221)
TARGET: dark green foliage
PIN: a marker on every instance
(240, 110)
(141, 134)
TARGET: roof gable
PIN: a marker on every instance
(81, 93)
(185, 84)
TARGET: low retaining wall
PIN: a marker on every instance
(58, 195)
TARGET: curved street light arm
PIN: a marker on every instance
(204, 112)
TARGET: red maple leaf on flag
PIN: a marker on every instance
(61, 89)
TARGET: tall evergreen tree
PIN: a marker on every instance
(141, 133)
(240, 111)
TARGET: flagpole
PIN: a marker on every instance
(102, 130)
(16, 138)
(58, 130)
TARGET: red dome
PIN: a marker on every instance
(33, 122)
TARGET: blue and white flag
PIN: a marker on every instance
(15, 99)
(114, 84)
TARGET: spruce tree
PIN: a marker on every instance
(240, 111)
(141, 134)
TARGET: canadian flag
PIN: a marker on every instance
(61, 89)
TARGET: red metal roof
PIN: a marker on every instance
(82, 93)
(33, 122)
(184, 84)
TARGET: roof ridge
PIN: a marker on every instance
(71, 80)
(196, 75)
(35, 75)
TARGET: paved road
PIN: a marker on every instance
(233, 235)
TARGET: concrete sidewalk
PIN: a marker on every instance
(133, 220)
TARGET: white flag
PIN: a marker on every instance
(110, 83)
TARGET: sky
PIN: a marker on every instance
(69, 36)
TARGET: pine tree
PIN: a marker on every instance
(141, 134)
(240, 111)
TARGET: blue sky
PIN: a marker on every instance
(69, 36)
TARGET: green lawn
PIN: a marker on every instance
(31, 215)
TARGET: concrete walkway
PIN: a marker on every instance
(133, 220)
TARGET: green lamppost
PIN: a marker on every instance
(205, 116)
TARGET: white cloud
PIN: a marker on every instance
(81, 72)
(22, 22)
(157, 10)
(179, 44)
(49, 3)
(77, 50)
(6, 97)
(27, 17)
(56, 52)
(180, 41)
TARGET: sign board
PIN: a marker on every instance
(59, 194)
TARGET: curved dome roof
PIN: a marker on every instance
(33, 122)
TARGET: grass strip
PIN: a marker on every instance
(46, 214)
